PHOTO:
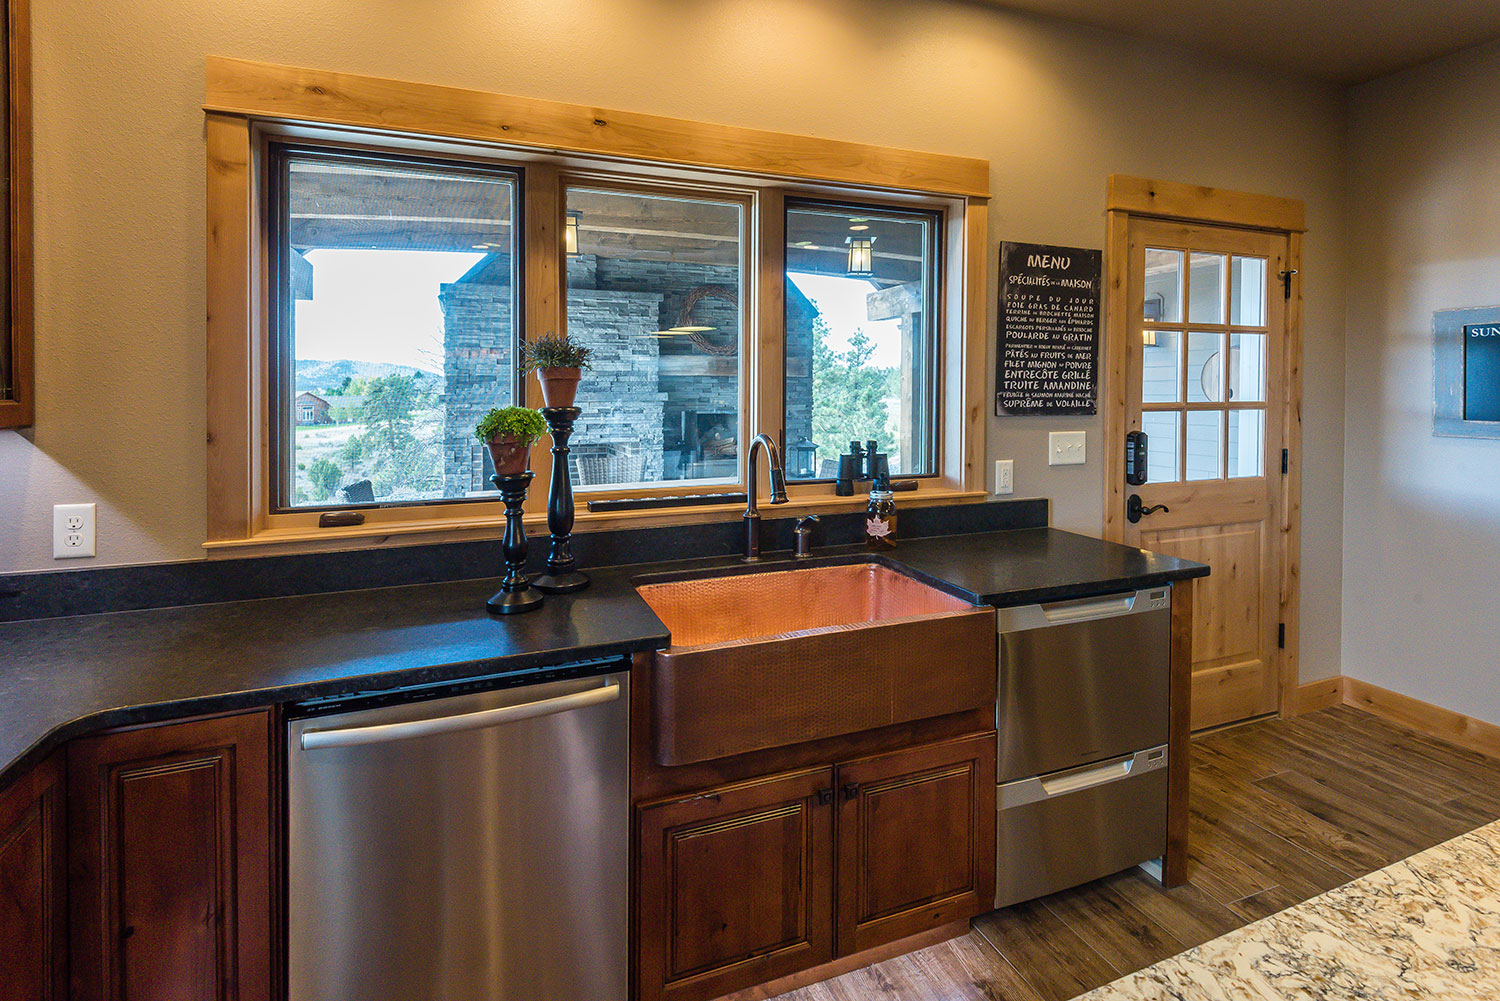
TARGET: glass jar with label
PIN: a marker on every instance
(880, 520)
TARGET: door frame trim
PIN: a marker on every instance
(1136, 197)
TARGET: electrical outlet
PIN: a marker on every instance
(1005, 476)
(72, 531)
(1065, 448)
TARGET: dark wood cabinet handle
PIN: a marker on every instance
(851, 789)
(825, 796)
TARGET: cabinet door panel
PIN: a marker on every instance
(916, 841)
(32, 919)
(735, 886)
(170, 857)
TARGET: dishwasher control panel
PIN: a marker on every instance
(1157, 597)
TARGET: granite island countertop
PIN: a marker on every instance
(64, 677)
(1424, 928)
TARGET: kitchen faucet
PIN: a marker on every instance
(778, 492)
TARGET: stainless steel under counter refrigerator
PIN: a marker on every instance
(1082, 719)
(466, 847)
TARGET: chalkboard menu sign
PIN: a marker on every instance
(1482, 372)
(1048, 357)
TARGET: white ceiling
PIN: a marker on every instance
(1344, 41)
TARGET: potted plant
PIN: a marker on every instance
(509, 435)
(558, 363)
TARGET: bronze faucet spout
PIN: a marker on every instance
(778, 491)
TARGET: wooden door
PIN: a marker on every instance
(170, 840)
(916, 841)
(735, 886)
(33, 898)
(1204, 380)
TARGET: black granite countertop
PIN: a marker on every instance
(67, 676)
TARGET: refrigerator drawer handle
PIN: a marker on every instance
(1084, 611)
(383, 732)
(1078, 781)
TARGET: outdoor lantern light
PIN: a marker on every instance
(570, 233)
(804, 458)
(861, 256)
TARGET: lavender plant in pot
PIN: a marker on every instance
(509, 435)
(559, 364)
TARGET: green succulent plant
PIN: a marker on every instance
(555, 351)
(512, 422)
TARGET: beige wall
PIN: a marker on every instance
(1421, 559)
(120, 274)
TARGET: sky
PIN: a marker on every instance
(381, 306)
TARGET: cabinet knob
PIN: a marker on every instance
(825, 796)
(851, 790)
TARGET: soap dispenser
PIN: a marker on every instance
(880, 516)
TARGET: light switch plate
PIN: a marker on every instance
(72, 531)
(1005, 476)
(1065, 448)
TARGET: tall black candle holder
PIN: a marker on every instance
(562, 575)
(516, 593)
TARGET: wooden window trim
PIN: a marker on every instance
(245, 99)
(20, 411)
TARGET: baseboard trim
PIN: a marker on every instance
(1318, 694)
(848, 964)
(1423, 717)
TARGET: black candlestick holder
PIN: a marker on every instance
(516, 593)
(562, 575)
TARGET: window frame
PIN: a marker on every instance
(935, 289)
(277, 152)
(250, 104)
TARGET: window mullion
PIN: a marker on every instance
(543, 273)
(766, 345)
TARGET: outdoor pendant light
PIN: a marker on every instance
(570, 233)
(861, 256)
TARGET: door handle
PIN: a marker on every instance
(1135, 510)
(380, 733)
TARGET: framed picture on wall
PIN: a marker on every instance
(1466, 372)
(17, 345)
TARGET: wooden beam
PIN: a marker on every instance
(260, 90)
(1172, 200)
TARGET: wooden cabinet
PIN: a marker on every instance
(736, 886)
(33, 898)
(169, 852)
(761, 879)
(916, 841)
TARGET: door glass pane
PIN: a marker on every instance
(1206, 289)
(1205, 429)
(1247, 368)
(861, 352)
(1161, 366)
(1247, 292)
(1161, 445)
(1163, 285)
(1247, 429)
(397, 294)
(654, 291)
(1205, 371)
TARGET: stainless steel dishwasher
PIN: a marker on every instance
(1082, 719)
(468, 847)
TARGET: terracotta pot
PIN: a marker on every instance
(509, 454)
(559, 386)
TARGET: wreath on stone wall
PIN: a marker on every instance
(727, 293)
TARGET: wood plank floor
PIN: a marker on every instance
(1282, 810)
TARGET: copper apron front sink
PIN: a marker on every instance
(762, 660)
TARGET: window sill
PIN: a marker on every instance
(281, 541)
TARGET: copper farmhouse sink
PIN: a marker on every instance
(768, 659)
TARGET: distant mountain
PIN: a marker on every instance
(314, 374)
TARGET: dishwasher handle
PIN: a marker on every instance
(380, 733)
(1082, 611)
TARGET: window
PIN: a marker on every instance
(861, 358)
(1203, 388)
(395, 328)
(373, 280)
(656, 292)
